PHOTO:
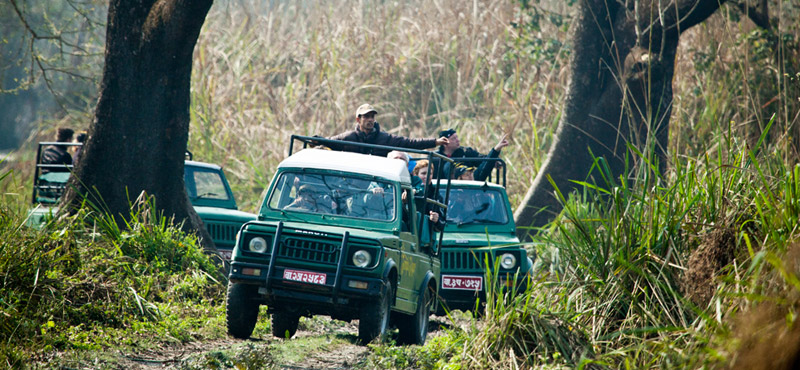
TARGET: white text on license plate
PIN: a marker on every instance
(305, 276)
(462, 282)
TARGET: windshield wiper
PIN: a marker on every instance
(481, 221)
(205, 195)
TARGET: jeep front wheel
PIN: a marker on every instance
(374, 317)
(242, 309)
(284, 324)
(414, 329)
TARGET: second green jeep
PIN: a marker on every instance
(336, 236)
(480, 236)
(213, 201)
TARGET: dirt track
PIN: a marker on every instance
(339, 351)
(319, 343)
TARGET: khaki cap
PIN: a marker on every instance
(364, 109)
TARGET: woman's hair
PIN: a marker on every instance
(422, 163)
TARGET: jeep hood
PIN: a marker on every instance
(223, 214)
(477, 239)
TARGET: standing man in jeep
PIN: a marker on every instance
(461, 154)
(368, 131)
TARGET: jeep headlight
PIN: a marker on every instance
(258, 244)
(508, 261)
(361, 258)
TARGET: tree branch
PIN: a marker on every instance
(43, 63)
(28, 26)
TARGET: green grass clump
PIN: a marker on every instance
(439, 352)
(74, 286)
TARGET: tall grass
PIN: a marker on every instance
(264, 71)
(662, 272)
(635, 275)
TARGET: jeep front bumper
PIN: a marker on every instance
(338, 298)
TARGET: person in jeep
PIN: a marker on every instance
(58, 154)
(461, 155)
(470, 206)
(420, 176)
(464, 173)
(368, 131)
(311, 199)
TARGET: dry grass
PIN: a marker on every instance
(264, 71)
(262, 74)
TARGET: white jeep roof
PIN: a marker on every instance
(470, 184)
(390, 169)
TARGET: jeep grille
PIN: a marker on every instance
(463, 260)
(310, 250)
(222, 234)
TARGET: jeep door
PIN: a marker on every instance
(416, 261)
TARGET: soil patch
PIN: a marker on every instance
(716, 251)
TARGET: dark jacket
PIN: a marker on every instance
(378, 137)
(56, 154)
(419, 188)
(462, 155)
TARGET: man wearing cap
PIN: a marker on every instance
(58, 154)
(454, 150)
(464, 173)
(368, 131)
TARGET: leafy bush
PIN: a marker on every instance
(72, 278)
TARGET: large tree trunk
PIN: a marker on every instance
(137, 141)
(619, 96)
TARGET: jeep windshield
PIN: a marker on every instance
(340, 195)
(476, 206)
(204, 183)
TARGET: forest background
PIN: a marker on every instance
(266, 70)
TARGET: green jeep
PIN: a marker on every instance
(335, 237)
(213, 201)
(480, 229)
(206, 185)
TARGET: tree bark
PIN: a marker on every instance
(619, 97)
(138, 138)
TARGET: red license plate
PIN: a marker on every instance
(305, 276)
(462, 282)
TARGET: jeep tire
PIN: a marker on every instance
(242, 309)
(413, 329)
(374, 317)
(283, 322)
